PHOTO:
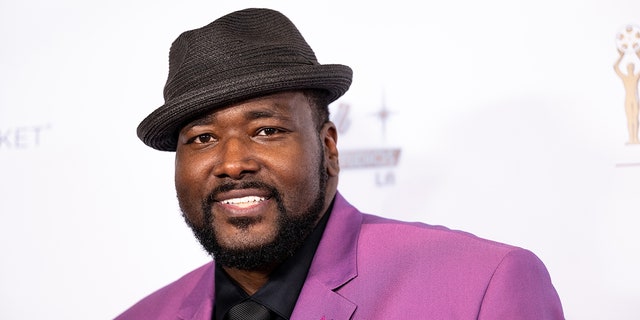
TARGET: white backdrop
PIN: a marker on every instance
(508, 115)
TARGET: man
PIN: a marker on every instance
(246, 111)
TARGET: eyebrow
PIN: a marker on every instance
(200, 121)
(250, 115)
(275, 111)
(259, 114)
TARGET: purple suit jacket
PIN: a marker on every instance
(367, 267)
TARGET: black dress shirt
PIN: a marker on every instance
(281, 292)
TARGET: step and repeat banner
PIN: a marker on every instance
(514, 120)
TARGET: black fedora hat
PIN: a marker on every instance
(244, 54)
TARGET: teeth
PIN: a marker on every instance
(244, 200)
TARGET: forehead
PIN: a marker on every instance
(285, 105)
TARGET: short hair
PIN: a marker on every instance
(318, 99)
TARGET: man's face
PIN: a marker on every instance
(251, 178)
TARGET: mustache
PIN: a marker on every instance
(228, 186)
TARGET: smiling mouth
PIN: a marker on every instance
(244, 202)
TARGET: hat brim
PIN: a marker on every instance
(160, 129)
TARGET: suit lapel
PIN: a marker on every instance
(333, 266)
(319, 302)
(198, 305)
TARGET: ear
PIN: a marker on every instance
(329, 135)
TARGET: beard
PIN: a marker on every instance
(292, 227)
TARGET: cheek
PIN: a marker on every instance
(188, 183)
(183, 177)
(300, 173)
(190, 172)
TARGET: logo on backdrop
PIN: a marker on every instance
(382, 160)
(22, 138)
(627, 67)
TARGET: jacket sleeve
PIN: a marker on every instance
(521, 288)
(190, 297)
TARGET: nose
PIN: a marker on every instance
(236, 159)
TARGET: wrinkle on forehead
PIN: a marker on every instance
(273, 110)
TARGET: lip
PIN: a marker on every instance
(245, 209)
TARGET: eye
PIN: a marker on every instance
(202, 139)
(268, 131)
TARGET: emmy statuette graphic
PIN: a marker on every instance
(627, 67)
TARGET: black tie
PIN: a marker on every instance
(248, 310)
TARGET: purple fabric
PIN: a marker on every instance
(367, 267)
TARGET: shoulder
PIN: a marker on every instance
(521, 288)
(168, 300)
(381, 233)
(503, 281)
(423, 236)
(445, 252)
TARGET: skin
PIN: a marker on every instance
(272, 140)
